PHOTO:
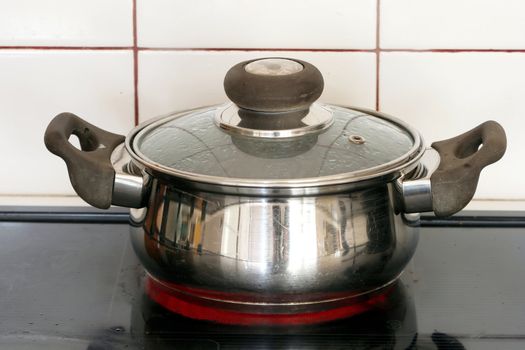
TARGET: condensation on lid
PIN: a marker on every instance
(191, 142)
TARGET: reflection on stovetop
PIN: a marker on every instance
(391, 327)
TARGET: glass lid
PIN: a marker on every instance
(278, 137)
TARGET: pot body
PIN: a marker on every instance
(290, 254)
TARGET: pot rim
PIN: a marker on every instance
(304, 186)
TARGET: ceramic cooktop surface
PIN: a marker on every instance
(72, 282)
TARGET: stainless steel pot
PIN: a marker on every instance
(274, 204)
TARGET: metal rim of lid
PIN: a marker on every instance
(277, 186)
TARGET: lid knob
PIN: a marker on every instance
(273, 85)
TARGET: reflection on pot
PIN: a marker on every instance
(277, 255)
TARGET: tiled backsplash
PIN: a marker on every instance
(184, 79)
(442, 65)
(453, 24)
(66, 23)
(340, 24)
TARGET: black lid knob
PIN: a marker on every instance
(273, 84)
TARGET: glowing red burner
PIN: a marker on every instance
(190, 306)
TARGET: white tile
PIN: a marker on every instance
(503, 205)
(478, 24)
(445, 94)
(257, 24)
(176, 80)
(42, 201)
(36, 86)
(66, 23)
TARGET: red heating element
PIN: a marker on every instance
(190, 306)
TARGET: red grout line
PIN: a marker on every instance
(135, 65)
(137, 48)
(454, 50)
(87, 48)
(250, 49)
(378, 51)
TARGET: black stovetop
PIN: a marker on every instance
(70, 280)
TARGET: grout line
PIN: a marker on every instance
(250, 49)
(455, 50)
(87, 48)
(378, 51)
(135, 66)
(138, 48)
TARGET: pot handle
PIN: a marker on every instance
(455, 180)
(90, 170)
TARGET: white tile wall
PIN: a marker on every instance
(257, 24)
(177, 80)
(459, 90)
(453, 24)
(446, 94)
(66, 23)
(37, 85)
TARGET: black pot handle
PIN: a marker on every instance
(90, 170)
(462, 159)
